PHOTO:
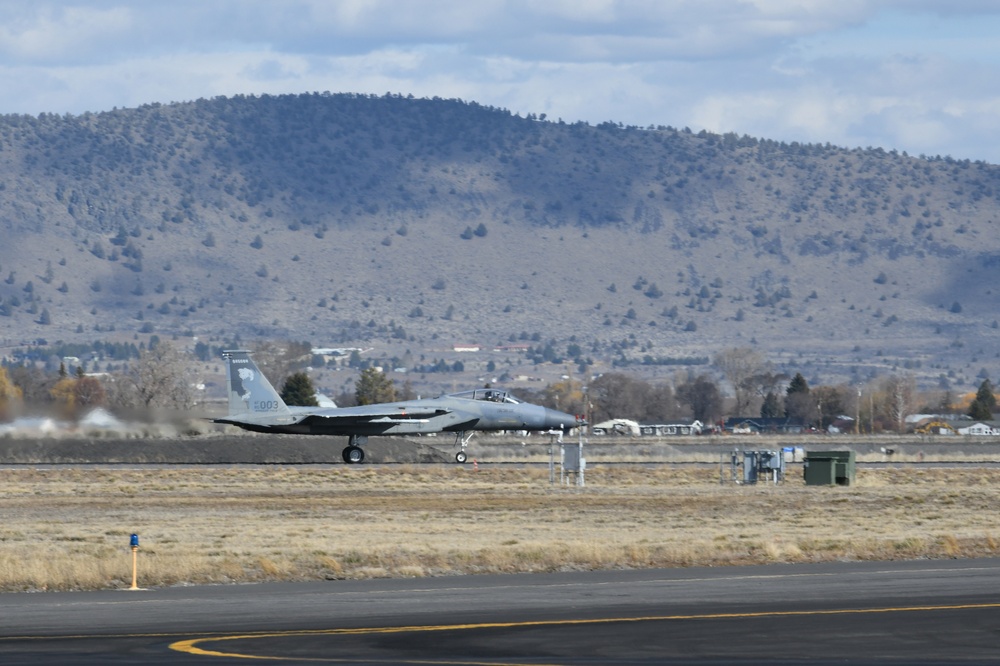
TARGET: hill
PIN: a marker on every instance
(409, 225)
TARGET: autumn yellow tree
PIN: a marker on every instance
(566, 395)
(63, 392)
(9, 393)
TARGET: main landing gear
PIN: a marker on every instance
(354, 454)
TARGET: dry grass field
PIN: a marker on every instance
(68, 527)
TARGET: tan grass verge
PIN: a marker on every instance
(68, 528)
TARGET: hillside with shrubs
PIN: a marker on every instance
(410, 225)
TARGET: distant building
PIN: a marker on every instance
(337, 351)
(978, 428)
(616, 427)
(670, 429)
(841, 424)
(782, 425)
(951, 424)
(521, 348)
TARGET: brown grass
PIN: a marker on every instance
(68, 528)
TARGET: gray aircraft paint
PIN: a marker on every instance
(255, 405)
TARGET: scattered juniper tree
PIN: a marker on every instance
(298, 390)
(984, 404)
(771, 408)
(373, 387)
(799, 403)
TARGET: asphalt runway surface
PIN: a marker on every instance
(914, 612)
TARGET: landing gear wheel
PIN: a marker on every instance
(460, 457)
(354, 455)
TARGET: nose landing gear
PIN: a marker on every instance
(462, 439)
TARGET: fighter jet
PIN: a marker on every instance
(255, 405)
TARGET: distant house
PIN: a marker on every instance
(670, 429)
(954, 424)
(977, 428)
(466, 348)
(747, 425)
(841, 424)
(521, 348)
(616, 427)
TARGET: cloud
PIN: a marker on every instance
(591, 30)
(51, 34)
(916, 75)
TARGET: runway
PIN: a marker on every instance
(862, 612)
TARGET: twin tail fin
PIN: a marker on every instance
(249, 391)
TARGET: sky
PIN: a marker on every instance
(920, 76)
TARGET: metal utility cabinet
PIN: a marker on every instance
(829, 468)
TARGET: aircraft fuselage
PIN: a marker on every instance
(255, 405)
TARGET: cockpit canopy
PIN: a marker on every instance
(489, 395)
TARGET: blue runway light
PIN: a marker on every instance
(134, 541)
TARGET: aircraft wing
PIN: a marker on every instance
(378, 414)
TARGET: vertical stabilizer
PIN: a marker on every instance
(249, 390)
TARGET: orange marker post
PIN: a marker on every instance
(134, 543)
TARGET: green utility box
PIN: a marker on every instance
(829, 468)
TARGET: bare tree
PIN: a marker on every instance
(702, 395)
(34, 384)
(898, 399)
(158, 379)
(741, 365)
(831, 402)
(661, 403)
(617, 396)
(279, 360)
(88, 392)
(768, 382)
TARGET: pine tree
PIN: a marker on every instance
(771, 408)
(799, 403)
(298, 390)
(373, 387)
(797, 385)
(985, 402)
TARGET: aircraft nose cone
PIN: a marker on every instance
(556, 420)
